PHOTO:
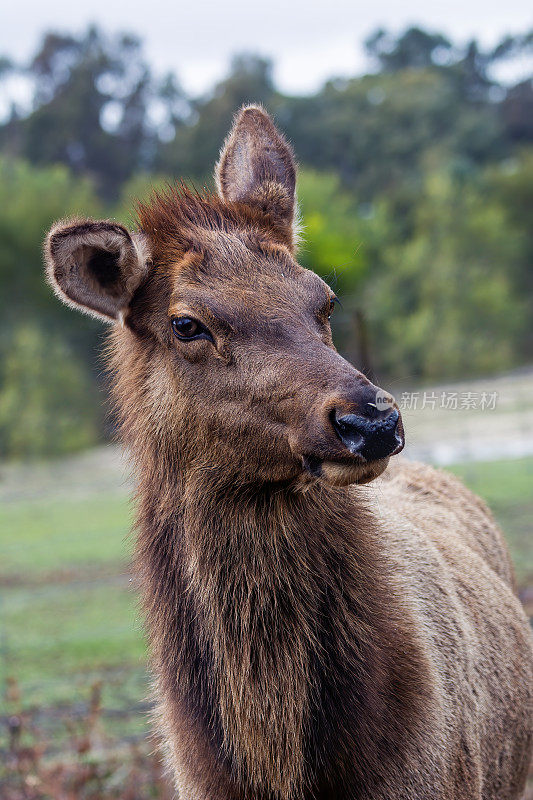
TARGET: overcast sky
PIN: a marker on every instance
(308, 41)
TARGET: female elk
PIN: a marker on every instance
(310, 637)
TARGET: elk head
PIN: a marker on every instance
(224, 346)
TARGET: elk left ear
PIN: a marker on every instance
(256, 167)
(96, 265)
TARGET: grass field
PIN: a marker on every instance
(507, 486)
(68, 611)
(68, 617)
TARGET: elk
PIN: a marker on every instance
(323, 625)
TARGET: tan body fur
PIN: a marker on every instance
(311, 637)
(458, 574)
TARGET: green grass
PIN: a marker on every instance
(507, 486)
(68, 615)
(60, 534)
(66, 629)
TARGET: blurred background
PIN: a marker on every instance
(413, 128)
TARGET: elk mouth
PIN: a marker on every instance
(343, 471)
(367, 444)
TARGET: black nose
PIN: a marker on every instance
(371, 438)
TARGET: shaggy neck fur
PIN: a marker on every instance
(280, 625)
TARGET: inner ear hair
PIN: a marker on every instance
(95, 266)
(104, 265)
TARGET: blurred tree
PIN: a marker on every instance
(333, 234)
(94, 96)
(47, 402)
(517, 113)
(138, 188)
(510, 185)
(196, 145)
(31, 199)
(513, 47)
(445, 301)
(414, 48)
(339, 241)
(6, 65)
(377, 131)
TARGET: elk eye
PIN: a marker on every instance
(187, 329)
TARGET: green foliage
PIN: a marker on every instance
(140, 187)
(31, 199)
(378, 132)
(48, 399)
(47, 403)
(444, 301)
(413, 48)
(511, 187)
(333, 234)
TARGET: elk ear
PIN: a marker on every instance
(95, 266)
(256, 166)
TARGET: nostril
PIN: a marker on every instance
(350, 429)
(349, 422)
(371, 422)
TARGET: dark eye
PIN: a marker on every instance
(187, 329)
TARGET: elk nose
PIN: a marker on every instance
(375, 436)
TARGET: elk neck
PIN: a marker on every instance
(276, 611)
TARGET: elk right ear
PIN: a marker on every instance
(256, 167)
(95, 266)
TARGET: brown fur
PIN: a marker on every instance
(311, 638)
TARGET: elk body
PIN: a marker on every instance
(311, 637)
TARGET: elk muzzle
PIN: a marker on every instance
(372, 438)
(352, 437)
